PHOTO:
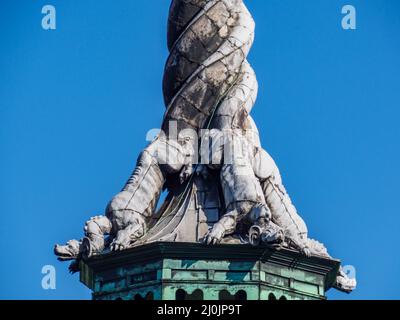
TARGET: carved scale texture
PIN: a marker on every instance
(209, 42)
(209, 83)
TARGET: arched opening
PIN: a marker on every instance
(271, 296)
(283, 298)
(138, 297)
(241, 295)
(225, 295)
(196, 295)
(180, 294)
(149, 296)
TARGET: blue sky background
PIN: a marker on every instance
(77, 102)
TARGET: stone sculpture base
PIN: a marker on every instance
(190, 271)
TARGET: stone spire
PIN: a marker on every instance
(223, 186)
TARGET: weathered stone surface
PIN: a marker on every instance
(208, 84)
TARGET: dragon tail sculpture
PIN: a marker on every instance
(208, 84)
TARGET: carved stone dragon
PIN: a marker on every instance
(208, 84)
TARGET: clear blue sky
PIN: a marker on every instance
(77, 102)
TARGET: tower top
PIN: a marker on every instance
(224, 188)
(185, 271)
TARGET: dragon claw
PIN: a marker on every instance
(215, 235)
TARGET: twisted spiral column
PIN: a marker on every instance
(208, 84)
(209, 42)
(207, 78)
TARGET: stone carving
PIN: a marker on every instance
(208, 147)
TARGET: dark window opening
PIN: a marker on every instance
(271, 297)
(183, 295)
(196, 295)
(149, 296)
(225, 295)
(138, 297)
(241, 295)
(180, 294)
